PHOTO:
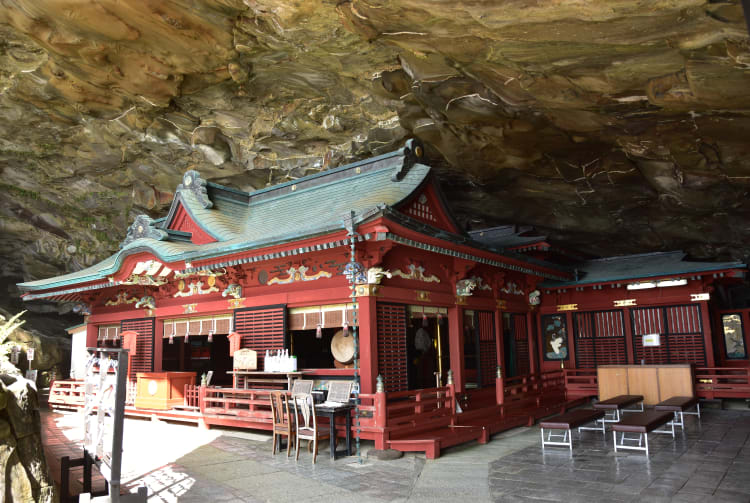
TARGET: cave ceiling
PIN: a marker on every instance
(612, 127)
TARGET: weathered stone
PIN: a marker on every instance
(5, 432)
(31, 454)
(522, 106)
(3, 396)
(22, 409)
(14, 481)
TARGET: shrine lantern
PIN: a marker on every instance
(234, 342)
(129, 340)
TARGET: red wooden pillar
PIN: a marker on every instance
(628, 326)
(533, 360)
(707, 331)
(500, 347)
(158, 344)
(92, 332)
(368, 342)
(571, 341)
(455, 336)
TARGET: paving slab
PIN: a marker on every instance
(707, 462)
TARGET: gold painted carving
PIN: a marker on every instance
(461, 300)
(189, 308)
(567, 307)
(196, 287)
(417, 273)
(145, 280)
(299, 274)
(121, 298)
(203, 272)
(367, 290)
(423, 295)
(502, 304)
(236, 303)
(624, 302)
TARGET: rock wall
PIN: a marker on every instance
(24, 474)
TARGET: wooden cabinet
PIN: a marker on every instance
(161, 390)
(655, 382)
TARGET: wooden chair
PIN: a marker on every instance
(282, 421)
(304, 410)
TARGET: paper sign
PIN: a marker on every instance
(651, 340)
(30, 354)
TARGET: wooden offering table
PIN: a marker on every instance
(655, 382)
(247, 379)
(161, 390)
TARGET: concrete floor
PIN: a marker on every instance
(710, 461)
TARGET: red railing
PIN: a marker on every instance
(581, 383)
(247, 403)
(726, 382)
(191, 396)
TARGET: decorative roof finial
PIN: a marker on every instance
(412, 153)
(143, 227)
(193, 182)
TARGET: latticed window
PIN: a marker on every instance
(600, 338)
(680, 334)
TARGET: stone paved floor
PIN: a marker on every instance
(710, 462)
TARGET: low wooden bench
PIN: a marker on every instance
(616, 404)
(642, 423)
(568, 421)
(678, 405)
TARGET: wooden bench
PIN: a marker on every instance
(642, 423)
(616, 404)
(678, 405)
(568, 421)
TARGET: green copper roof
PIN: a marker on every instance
(646, 265)
(306, 207)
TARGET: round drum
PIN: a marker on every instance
(342, 346)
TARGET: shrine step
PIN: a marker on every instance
(433, 441)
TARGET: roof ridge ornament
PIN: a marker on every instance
(193, 182)
(143, 227)
(412, 153)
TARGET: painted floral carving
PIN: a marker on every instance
(418, 273)
(298, 274)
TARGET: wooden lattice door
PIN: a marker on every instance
(261, 329)
(392, 363)
(681, 334)
(600, 338)
(143, 360)
(485, 321)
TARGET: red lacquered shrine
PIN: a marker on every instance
(460, 335)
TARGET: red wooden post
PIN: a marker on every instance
(455, 336)
(707, 342)
(92, 332)
(630, 358)
(533, 367)
(451, 391)
(158, 344)
(379, 402)
(368, 343)
(499, 386)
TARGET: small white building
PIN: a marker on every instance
(78, 353)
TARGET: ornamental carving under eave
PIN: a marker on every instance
(418, 273)
(511, 289)
(141, 228)
(299, 274)
(196, 288)
(121, 298)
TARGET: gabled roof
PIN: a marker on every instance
(645, 265)
(303, 208)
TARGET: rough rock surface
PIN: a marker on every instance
(615, 126)
(24, 474)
